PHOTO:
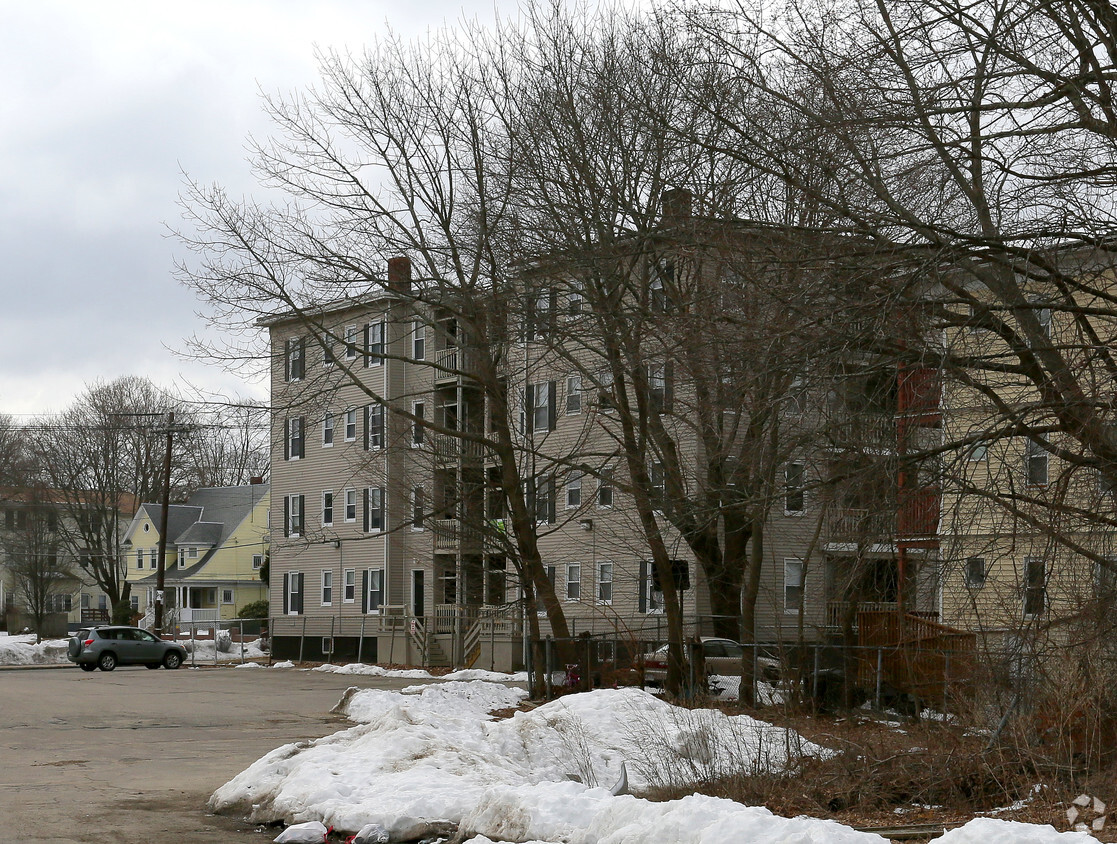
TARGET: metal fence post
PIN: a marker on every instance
(193, 647)
(548, 654)
(880, 668)
(302, 640)
(755, 680)
(361, 641)
(241, 626)
(814, 676)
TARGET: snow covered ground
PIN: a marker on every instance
(431, 754)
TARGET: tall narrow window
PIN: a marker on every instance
(1035, 587)
(350, 505)
(327, 588)
(605, 488)
(650, 599)
(327, 509)
(293, 593)
(295, 507)
(657, 490)
(373, 591)
(295, 448)
(573, 581)
(792, 584)
(374, 344)
(660, 387)
(574, 491)
(1036, 459)
(573, 395)
(349, 586)
(351, 425)
(793, 497)
(605, 583)
(540, 402)
(374, 426)
(418, 340)
(418, 411)
(541, 499)
(295, 358)
(375, 509)
(352, 341)
(418, 508)
(328, 430)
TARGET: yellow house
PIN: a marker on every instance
(216, 544)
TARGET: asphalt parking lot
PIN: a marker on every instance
(131, 757)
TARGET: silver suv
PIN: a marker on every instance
(108, 647)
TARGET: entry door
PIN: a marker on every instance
(418, 608)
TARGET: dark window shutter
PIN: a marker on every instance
(368, 421)
(287, 361)
(286, 593)
(286, 519)
(302, 516)
(302, 591)
(365, 508)
(529, 409)
(668, 385)
(642, 601)
(302, 436)
(552, 404)
(286, 439)
(366, 355)
(551, 495)
(364, 591)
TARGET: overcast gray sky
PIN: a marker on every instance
(104, 104)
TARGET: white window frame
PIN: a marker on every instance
(418, 339)
(292, 590)
(351, 425)
(228, 596)
(257, 562)
(328, 430)
(792, 580)
(1029, 562)
(352, 341)
(573, 489)
(376, 505)
(1034, 453)
(377, 339)
(573, 582)
(605, 583)
(573, 395)
(327, 588)
(327, 508)
(375, 578)
(349, 586)
(295, 434)
(969, 567)
(350, 505)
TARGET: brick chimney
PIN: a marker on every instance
(399, 274)
(676, 205)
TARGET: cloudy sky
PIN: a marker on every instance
(105, 105)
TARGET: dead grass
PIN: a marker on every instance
(894, 772)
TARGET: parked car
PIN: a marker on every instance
(110, 646)
(722, 657)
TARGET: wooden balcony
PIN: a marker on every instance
(451, 365)
(449, 449)
(920, 395)
(918, 513)
(849, 524)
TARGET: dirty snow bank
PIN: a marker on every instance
(22, 650)
(431, 751)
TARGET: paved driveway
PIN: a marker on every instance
(131, 757)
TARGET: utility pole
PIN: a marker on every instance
(161, 570)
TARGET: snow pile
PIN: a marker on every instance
(992, 831)
(285, 664)
(487, 676)
(22, 650)
(360, 668)
(431, 752)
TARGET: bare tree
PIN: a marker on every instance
(32, 542)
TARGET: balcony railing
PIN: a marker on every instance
(860, 525)
(451, 449)
(836, 611)
(451, 365)
(454, 535)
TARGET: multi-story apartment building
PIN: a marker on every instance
(40, 558)
(390, 539)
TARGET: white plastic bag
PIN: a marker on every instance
(371, 833)
(311, 832)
